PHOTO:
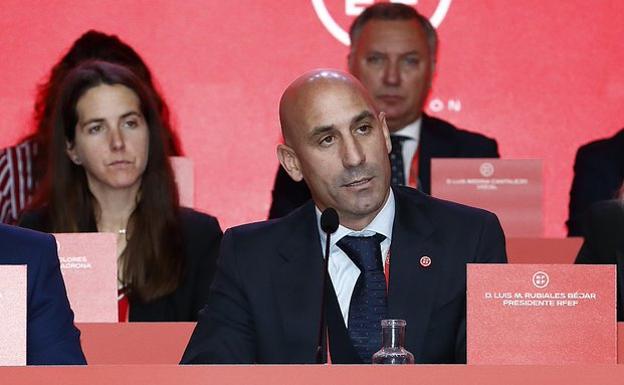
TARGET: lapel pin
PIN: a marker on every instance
(425, 261)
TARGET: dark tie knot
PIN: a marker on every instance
(365, 252)
(397, 142)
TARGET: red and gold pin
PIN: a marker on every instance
(425, 261)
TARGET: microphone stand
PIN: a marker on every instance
(320, 353)
(329, 225)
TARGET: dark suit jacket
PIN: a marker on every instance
(51, 337)
(438, 139)
(202, 236)
(598, 174)
(264, 305)
(604, 241)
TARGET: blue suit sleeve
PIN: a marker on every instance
(52, 338)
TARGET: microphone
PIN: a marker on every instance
(329, 221)
(329, 225)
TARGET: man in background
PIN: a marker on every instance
(598, 176)
(393, 53)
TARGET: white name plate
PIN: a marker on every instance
(89, 268)
(13, 315)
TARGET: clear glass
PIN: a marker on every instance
(392, 351)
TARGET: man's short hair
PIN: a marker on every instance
(395, 11)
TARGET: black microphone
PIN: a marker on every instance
(329, 225)
(329, 222)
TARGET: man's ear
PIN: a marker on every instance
(350, 59)
(71, 152)
(288, 159)
(385, 130)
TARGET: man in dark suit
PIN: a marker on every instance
(51, 337)
(598, 174)
(604, 241)
(393, 53)
(266, 299)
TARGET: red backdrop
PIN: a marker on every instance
(543, 77)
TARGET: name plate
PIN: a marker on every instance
(13, 315)
(510, 188)
(89, 268)
(541, 314)
(183, 170)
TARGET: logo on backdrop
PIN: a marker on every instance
(540, 280)
(337, 15)
(486, 169)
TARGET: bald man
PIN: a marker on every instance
(265, 302)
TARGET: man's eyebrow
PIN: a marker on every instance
(383, 53)
(319, 130)
(362, 116)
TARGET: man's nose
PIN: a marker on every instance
(353, 153)
(392, 74)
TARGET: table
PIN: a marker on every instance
(314, 374)
(161, 343)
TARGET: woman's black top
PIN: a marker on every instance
(201, 238)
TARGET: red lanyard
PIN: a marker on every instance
(413, 174)
(123, 306)
(387, 270)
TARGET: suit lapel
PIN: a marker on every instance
(297, 285)
(434, 143)
(620, 145)
(413, 287)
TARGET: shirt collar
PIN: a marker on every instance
(382, 224)
(411, 131)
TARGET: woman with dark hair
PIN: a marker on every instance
(109, 171)
(26, 162)
(604, 240)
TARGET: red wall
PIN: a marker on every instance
(543, 77)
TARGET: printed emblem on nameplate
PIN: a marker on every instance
(510, 188)
(541, 314)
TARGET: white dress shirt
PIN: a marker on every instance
(411, 131)
(342, 271)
